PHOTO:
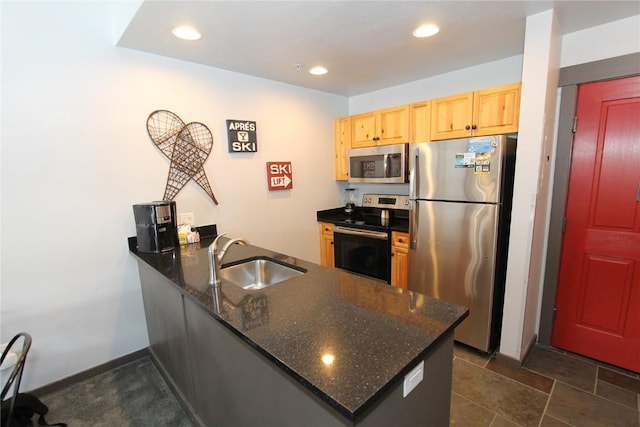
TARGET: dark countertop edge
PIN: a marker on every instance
(364, 408)
(352, 416)
(204, 231)
(336, 216)
(403, 228)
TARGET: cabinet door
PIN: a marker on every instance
(393, 125)
(163, 309)
(326, 251)
(451, 116)
(342, 143)
(326, 245)
(496, 110)
(399, 260)
(399, 275)
(420, 122)
(363, 130)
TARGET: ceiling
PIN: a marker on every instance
(366, 45)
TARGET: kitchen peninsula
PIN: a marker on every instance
(325, 348)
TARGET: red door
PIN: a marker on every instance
(598, 297)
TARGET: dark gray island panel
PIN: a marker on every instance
(237, 386)
(164, 312)
(247, 358)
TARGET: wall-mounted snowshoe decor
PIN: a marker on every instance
(187, 146)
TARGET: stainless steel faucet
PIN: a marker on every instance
(215, 257)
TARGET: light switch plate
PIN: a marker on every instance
(412, 379)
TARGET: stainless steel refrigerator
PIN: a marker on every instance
(460, 211)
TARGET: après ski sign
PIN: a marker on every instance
(242, 136)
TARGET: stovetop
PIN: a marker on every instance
(370, 216)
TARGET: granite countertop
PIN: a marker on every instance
(375, 333)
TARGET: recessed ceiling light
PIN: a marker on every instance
(426, 30)
(318, 70)
(186, 33)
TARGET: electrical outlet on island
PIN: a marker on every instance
(412, 379)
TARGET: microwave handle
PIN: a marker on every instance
(386, 165)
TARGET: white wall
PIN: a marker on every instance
(481, 76)
(75, 156)
(540, 72)
(601, 42)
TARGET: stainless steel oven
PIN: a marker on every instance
(365, 252)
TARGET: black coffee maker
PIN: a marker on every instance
(156, 226)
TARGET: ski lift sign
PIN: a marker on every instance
(242, 136)
(279, 176)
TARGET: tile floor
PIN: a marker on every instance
(552, 389)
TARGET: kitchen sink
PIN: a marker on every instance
(259, 272)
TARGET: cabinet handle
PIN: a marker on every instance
(376, 138)
(467, 127)
(474, 127)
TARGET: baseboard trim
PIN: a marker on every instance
(513, 362)
(96, 370)
(527, 350)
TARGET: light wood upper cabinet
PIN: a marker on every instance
(394, 125)
(363, 130)
(497, 110)
(484, 112)
(326, 244)
(342, 143)
(381, 127)
(451, 115)
(420, 121)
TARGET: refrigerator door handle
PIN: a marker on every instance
(413, 223)
(413, 191)
(413, 174)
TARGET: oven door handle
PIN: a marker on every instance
(364, 233)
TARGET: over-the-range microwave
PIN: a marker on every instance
(387, 164)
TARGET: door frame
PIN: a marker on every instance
(570, 78)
